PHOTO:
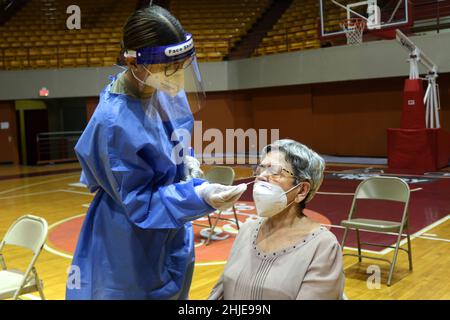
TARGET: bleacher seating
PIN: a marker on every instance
(37, 36)
(217, 26)
(296, 30)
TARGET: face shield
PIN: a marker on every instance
(172, 70)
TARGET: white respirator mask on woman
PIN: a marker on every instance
(158, 80)
(270, 199)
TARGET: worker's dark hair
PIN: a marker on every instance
(151, 26)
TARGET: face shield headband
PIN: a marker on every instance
(164, 54)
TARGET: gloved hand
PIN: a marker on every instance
(219, 196)
(191, 168)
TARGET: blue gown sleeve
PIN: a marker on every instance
(143, 177)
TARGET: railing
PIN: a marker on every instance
(428, 14)
(53, 55)
(27, 57)
(433, 14)
(56, 147)
(8, 7)
(210, 44)
(286, 40)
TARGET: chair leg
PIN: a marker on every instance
(359, 245)
(211, 232)
(344, 238)
(209, 221)
(409, 251)
(39, 284)
(41, 291)
(394, 260)
(236, 218)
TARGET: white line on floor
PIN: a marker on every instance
(29, 194)
(334, 193)
(214, 263)
(46, 192)
(51, 250)
(418, 234)
(38, 183)
(31, 297)
(432, 238)
(430, 235)
(77, 184)
(77, 192)
(350, 194)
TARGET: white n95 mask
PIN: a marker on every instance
(170, 85)
(270, 199)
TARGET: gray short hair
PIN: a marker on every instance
(306, 163)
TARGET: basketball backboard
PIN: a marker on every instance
(378, 14)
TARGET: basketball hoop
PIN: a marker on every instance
(354, 29)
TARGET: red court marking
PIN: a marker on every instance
(64, 236)
(426, 207)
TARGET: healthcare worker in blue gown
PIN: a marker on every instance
(137, 240)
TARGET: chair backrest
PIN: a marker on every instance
(383, 188)
(223, 175)
(28, 232)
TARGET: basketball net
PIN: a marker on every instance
(354, 29)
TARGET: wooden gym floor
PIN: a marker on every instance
(46, 192)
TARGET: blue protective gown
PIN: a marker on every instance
(137, 240)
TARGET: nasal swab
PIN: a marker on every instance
(253, 181)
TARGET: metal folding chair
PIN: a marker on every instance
(380, 188)
(28, 232)
(223, 175)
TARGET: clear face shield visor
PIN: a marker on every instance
(173, 70)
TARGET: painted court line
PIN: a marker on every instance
(77, 184)
(335, 193)
(29, 194)
(214, 263)
(418, 234)
(389, 233)
(433, 238)
(46, 192)
(37, 184)
(395, 174)
(77, 192)
(54, 251)
(31, 297)
(68, 256)
(352, 194)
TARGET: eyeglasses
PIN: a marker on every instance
(172, 68)
(272, 170)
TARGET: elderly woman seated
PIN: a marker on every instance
(284, 254)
